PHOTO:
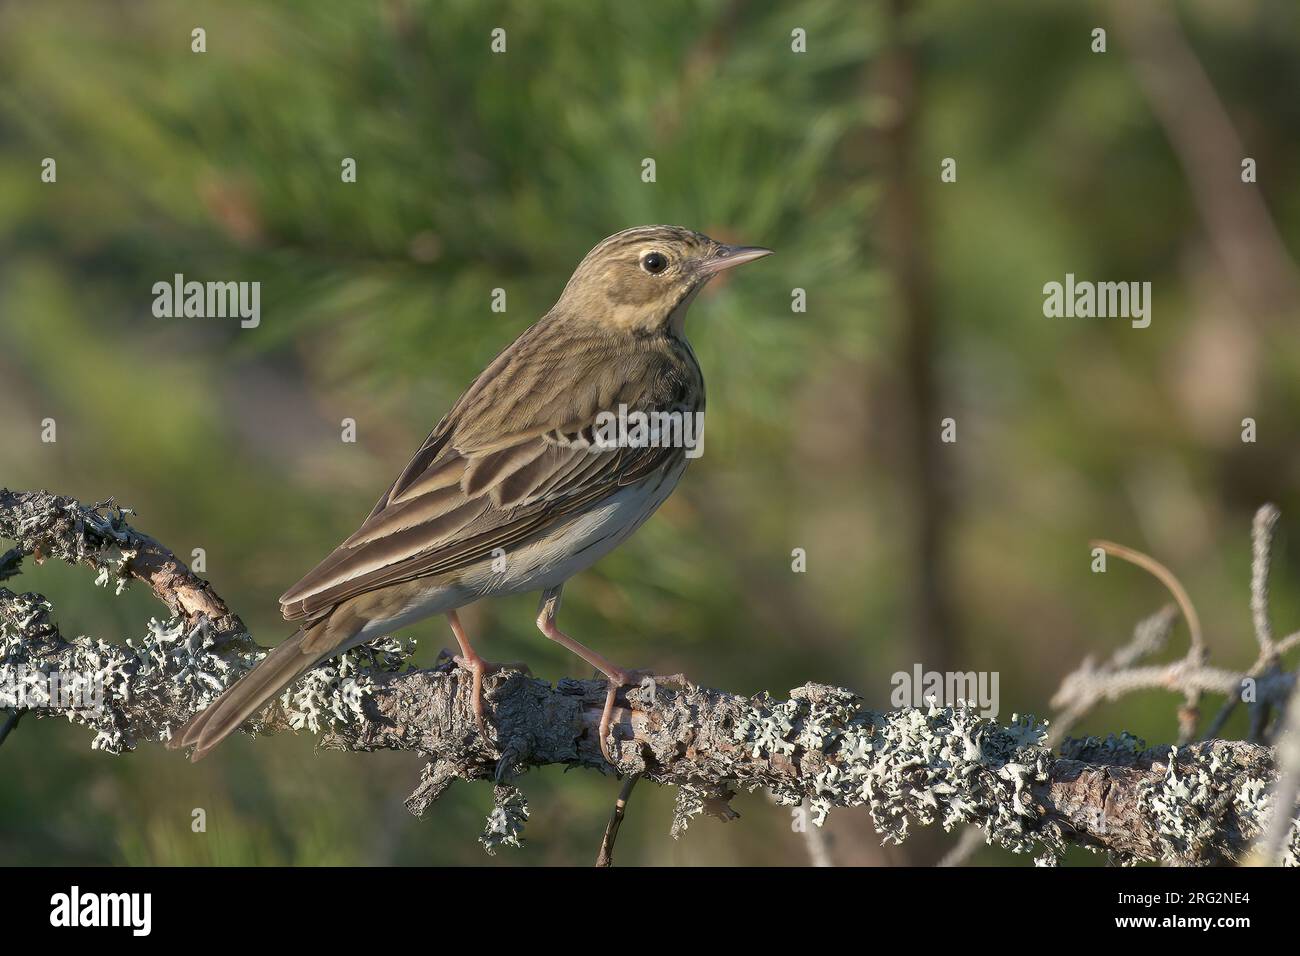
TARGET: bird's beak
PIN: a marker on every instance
(727, 257)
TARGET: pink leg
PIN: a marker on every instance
(618, 677)
(470, 660)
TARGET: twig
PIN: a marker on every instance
(1270, 652)
(1189, 713)
(814, 840)
(1081, 690)
(1167, 578)
(1261, 548)
(10, 723)
(971, 839)
(605, 858)
(1281, 826)
(1087, 686)
(812, 836)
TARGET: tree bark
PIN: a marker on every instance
(1200, 804)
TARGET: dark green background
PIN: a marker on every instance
(479, 171)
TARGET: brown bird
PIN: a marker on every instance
(525, 482)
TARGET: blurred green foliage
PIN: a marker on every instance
(478, 171)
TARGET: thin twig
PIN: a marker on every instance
(1088, 685)
(1167, 578)
(605, 858)
(972, 838)
(1261, 548)
(1270, 846)
(814, 839)
(1189, 713)
(1229, 705)
(10, 723)
(1270, 651)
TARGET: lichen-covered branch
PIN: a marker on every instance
(1199, 804)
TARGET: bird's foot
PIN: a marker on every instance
(479, 669)
(619, 679)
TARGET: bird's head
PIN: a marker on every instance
(642, 280)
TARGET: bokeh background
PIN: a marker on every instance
(478, 171)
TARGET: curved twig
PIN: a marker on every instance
(1168, 579)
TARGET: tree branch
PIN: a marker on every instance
(1203, 803)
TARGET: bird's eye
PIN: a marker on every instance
(654, 262)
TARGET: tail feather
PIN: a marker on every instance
(249, 694)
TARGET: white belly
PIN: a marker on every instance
(581, 542)
(575, 546)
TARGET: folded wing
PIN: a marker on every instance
(515, 453)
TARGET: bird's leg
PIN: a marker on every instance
(618, 677)
(469, 659)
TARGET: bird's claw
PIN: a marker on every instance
(646, 680)
(479, 669)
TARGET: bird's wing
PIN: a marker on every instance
(514, 454)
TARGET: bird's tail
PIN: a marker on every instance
(228, 712)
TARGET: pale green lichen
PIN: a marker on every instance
(97, 678)
(111, 564)
(1254, 802)
(331, 693)
(948, 765)
(689, 804)
(1189, 804)
(172, 657)
(506, 821)
(189, 659)
(768, 731)
(1182, 803)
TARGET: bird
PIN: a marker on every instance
(523, 483)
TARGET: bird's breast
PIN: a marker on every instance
(579, 541)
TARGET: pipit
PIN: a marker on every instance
(522, 484)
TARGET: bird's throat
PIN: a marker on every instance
(676, 321)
